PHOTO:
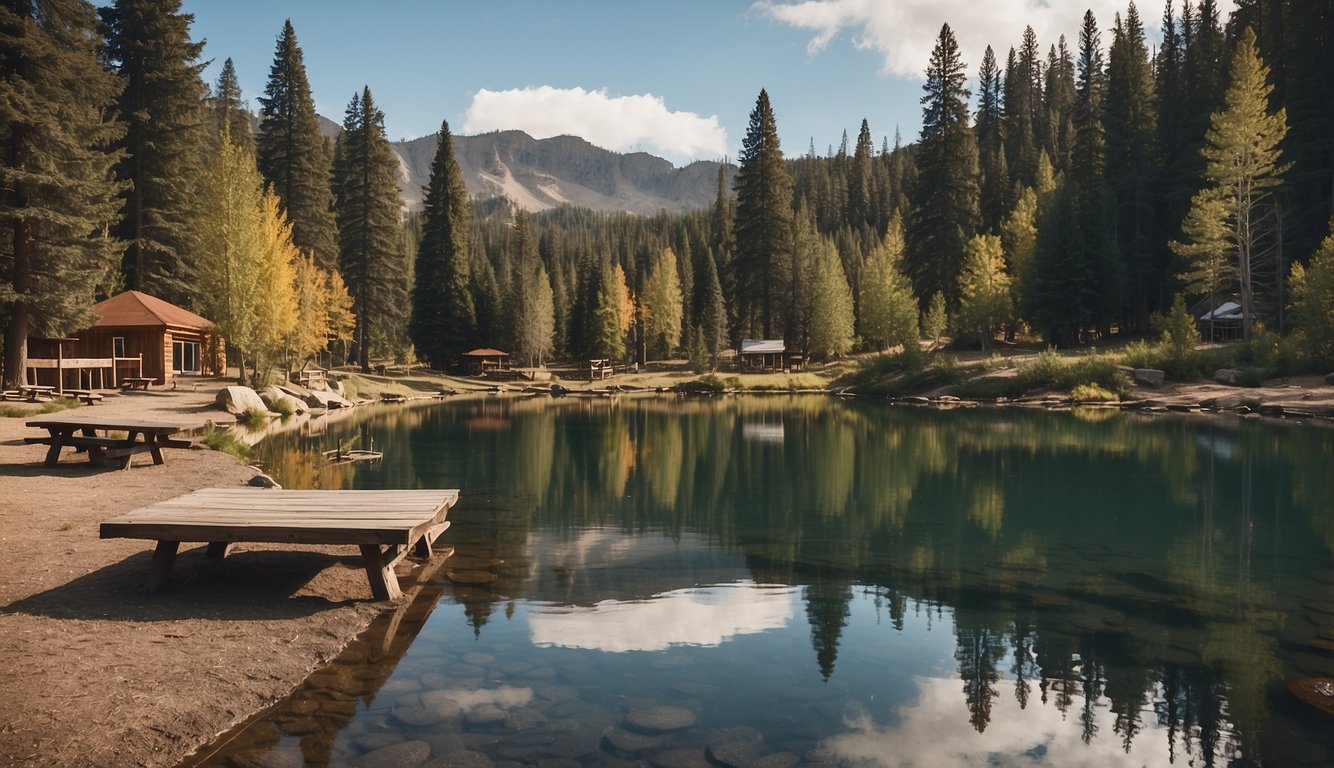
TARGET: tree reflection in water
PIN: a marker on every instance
(1108, 565)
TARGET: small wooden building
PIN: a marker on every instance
(1222, 323)
(135, 335)
(480, 362)
(763, 355)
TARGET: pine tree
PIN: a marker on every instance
(860, 212)
(994, 186)
(1243, 166)
(162, 106)
(1096, 272)
(945, 200)
(888, 307)
(831, 326)
(443, 319)
(1023, 108)
(662, 305)
(1132, 170)
(531, 304)
(293, 156)
(371, 254)
(985, 286)
(1313, 302)
(762, 226)
(1059, 98)
(229, 111)
(57, 194)
(712, 311)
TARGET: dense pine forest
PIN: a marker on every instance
(1060, 191)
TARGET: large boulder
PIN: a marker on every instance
(329, 400)
(1150, 377)
(1329, 378)
(1229, 376)
(276, 394)
(237, 400)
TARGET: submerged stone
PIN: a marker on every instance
(409, 754)
(470, 577)
(630, 743)
(487, 714)
(461, 759)
(661, 719)
(680, 758)
(735, 754)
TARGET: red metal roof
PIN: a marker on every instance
(486, 352)
(133, 308)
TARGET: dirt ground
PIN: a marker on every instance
(96, 672)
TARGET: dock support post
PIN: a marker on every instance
(384, 582)
(164, 556)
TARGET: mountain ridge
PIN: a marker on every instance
(540, 174)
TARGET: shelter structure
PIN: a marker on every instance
(763, 355)
(480, 362)
(1222, 323)
(136, 336)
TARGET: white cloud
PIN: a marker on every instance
(621, 123)
(903, 32)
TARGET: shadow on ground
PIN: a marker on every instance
(257, 585)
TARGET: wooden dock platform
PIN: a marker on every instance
(386, 525)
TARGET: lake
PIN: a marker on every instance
(773, 581)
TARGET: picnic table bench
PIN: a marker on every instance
(136, 382)
(386, 525)
(88, 396)
(80, 433)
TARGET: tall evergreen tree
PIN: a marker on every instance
(760, 266)
(712, 310)
(57, 194)
(945, 199)
(293, 156)
(661, 302)
(1059, 100)
(531, 303)
(162, 106)
(443, 320)
(1132, 170)
(1243, 166)
(229, 112)
(860, 210)
(1023, 108)
(995, 182)
(371, 253)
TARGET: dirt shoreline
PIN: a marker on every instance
(97, 672)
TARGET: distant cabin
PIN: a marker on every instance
(480, 362)
(763, 355)
(1222, 323)
(136, 335)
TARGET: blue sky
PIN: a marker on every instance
(589, 68)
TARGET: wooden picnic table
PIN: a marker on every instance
(34, 392)
(136, 382)
(80, 433)
(386, 525)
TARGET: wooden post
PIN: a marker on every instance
(60, 367)
(218, 549)
(384, 582)
(164, 556)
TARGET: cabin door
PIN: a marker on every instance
(185, 357)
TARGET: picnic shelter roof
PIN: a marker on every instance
(763, 347)
(486, 352)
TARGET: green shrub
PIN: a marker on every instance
(282, 407)
(221, 439)
(253, 418)
(705, 385)
(1092, 393)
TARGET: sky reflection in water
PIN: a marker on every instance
(866, 584)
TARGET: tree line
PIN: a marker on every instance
(1085, 190)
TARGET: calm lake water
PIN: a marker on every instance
(772, 581)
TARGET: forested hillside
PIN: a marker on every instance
(1062, 190)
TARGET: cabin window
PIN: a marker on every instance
(185, 357)
(118, 346)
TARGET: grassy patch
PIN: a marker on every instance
(49, 406)
(66, 527)
(221, 439)
(282, 407)
(1094, 376)
(253, 418)
(711, 385)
